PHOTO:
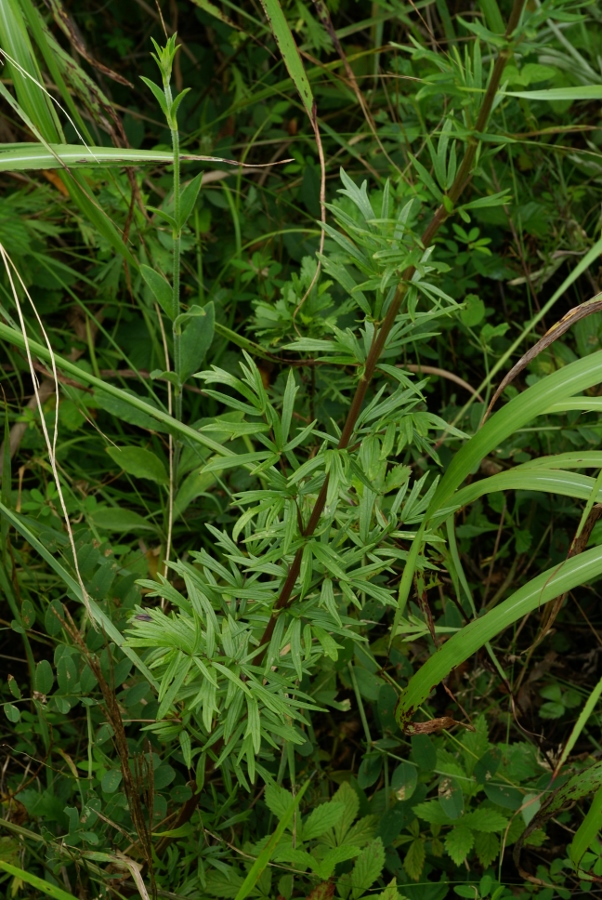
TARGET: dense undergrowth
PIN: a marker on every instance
(287, 611)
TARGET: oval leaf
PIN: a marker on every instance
(139, 462)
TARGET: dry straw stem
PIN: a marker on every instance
(50, 444)
(381, 333)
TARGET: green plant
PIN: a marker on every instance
(279, 548)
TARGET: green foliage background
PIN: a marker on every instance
(274, 596)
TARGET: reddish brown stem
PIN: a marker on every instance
(382, 332)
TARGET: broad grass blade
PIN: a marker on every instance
(545, 587)
(580, 92)
(20, 157)
(51, 890)
(571, 379)
(24, 73)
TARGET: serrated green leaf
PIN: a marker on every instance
(390, 892)
(139, 462)
(325, 867)
(433, 813)
(487, 847)
(351, 804)
(300, 858)
(266, 854)
(277, 799)
(413, 861)
(368, 867)
(321, 819)
(483, 819)
(459, 842)
(362, 831)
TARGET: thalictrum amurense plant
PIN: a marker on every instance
(323, 529)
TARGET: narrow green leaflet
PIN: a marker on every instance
(290, 54)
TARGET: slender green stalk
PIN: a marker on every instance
(176, 235)
(382, 331)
